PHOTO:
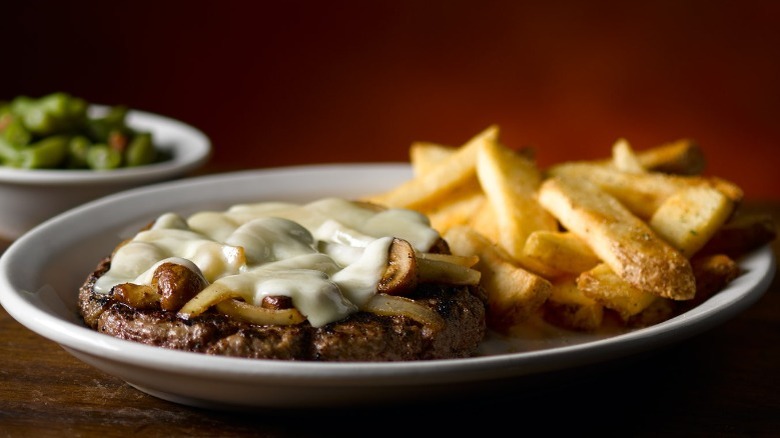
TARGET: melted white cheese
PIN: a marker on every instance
(328, 256)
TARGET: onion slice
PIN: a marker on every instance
(393, 305)
(433, 270)
(211, 295)
(259, 315)
(466, 261)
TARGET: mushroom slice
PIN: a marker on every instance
(176, 284)
(407, 268)
(136, 295)
(276, 302)
(400, 276)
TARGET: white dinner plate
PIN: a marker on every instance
(41, 272)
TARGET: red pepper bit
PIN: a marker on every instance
(117, 141)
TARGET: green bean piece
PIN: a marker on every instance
(77, 112)
(51, 114)
(140, 151)
(69, 112)
(102, 157)
(40, 116)
(9, 153)
(14, 131)
(48, 153)
(21, 104)
(78, 147)
(116, 116)
(99, 129)
(38, 121)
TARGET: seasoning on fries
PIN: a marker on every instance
(636, 237)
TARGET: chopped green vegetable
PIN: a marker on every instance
(9, 153)
(14, 131)
(45, 154)
(140, 151)
(56, 132)
(78, 147)
(102, 157)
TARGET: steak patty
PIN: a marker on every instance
(361, 336)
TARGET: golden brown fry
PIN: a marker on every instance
(632, 226)
(690, 217)
(605, 287)
(513, 294)
(425, 156)
(641, 193)
(485, 222)
(457, 209)
(658, 311)
(569, 308)
(681, 157)
(624, 158)
(728, 188)
(510, 182)
(423, 191)
(624, 242)
(560, 251)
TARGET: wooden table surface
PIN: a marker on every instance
(721, 383)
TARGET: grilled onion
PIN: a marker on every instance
(393, 305)
(259, 315)
(211, 295)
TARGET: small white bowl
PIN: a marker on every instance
(29, 197)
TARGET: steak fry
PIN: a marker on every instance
(620, 239)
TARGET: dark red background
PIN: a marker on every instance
(279, 83)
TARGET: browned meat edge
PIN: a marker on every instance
(360, 337)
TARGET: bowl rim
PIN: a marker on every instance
(187, 155)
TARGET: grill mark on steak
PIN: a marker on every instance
(362, 336)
